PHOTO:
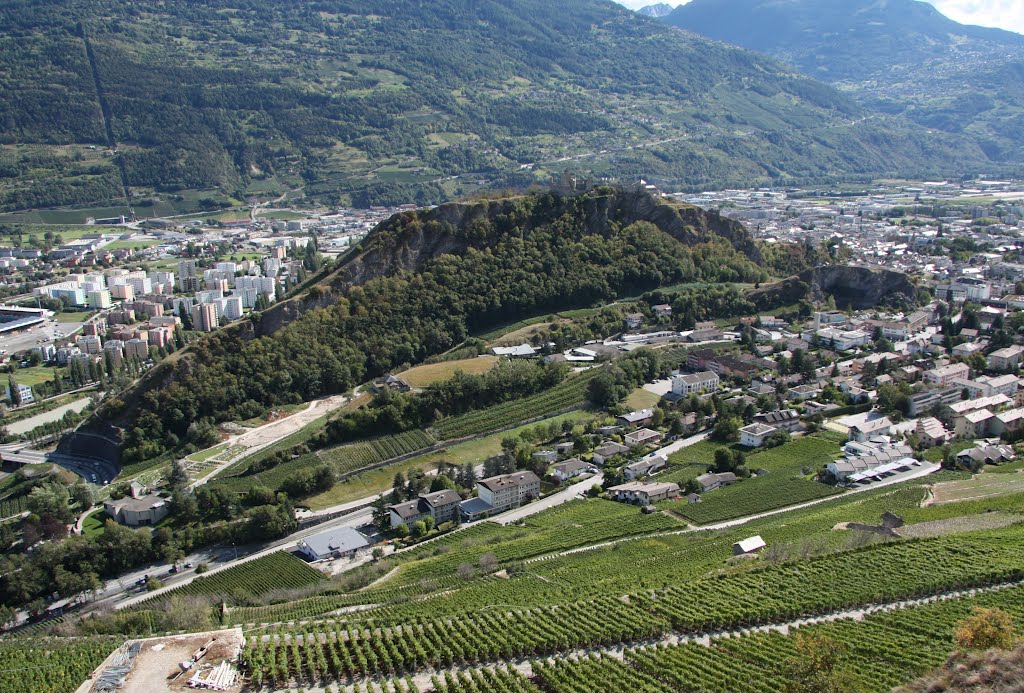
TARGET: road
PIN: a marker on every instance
(26, 425)
(563, 496)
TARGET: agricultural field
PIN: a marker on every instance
(352, 457)
(982, 486)
(252, 579)
(784, 484)
(570, 393)
(51, 665)
(428, 374)
(642, 399)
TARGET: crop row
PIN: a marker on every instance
(571, 392)
(276, 658)
(275, 571)
(13, 505)
(352, 457)
(497, 680)
(42, 665)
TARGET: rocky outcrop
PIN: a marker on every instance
(853, 288)
(407, 240)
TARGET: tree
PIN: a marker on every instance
(13, 390)
(177, 476)
(818, 666)
(419, 529)
(727, 429)
(381, 515)
(488, 563)
(465, 571)
(402, 531)
(377, 554)
(723, 460)
(985, 629)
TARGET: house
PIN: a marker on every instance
(689, 383)
(985, 454)
(139, 508)
(712, 481)
(706, 335)
(391, 382)
(645, 467)
(644, 436)
(754, 435)
(748, 546)
(548, 456)
(636, 418)
(967, 348)
(342, 542)
(945, 375)
(440, 505)
(803, 392)
(633, 320)
(786, 419)
(643, 492)
(931, 432)
(662, 310)
(603, 453)
(523, 351)
(1006, 359)
(570, 469)
(869, 429)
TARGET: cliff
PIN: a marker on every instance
(853, 288)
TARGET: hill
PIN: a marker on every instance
(896, 56)
(420, 284)
(201, 104)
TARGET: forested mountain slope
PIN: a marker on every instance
(391, 100)
(419, 285)
(897, 56)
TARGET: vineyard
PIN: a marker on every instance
(346, 459)
(276, 571)
(568, 394)
(781, 486)
(339, 651)
(45, 665)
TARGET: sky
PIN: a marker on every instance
(1004, 14)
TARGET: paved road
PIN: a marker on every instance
(26, 425)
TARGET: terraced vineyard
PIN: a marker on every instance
(570, 393)
(276, 571)
(345, 459)
(51, 665)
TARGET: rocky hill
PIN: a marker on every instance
(422, 283)
(199, 104)
(895, 56)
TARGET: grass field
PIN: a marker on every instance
(642, 399)
(428, 374)
(206, 454)
(35, 375)
(80, 316)
(379, 480)
(94, 524)
(981, 486)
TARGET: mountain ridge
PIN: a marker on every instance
(356, 102)
(894, 56)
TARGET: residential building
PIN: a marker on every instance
(930, 400)
(571, 468)
(633, 320)
(636, 418)
(439, 505)
(188, 280)
(1006, 359)
(931, 432)
(712, 481)
(839, 340)
(786, 419)
(342, 542)
(754, 435)
(508, 490)
(548, 456)
(986, 454)
(945, 375)
(662, 310)
(643, 492)
(689, 383)
(643, 436)
(204, 317)
(645, 467)
(867, 430)
(1009, 421)
(24, 393)
(603, 453)
(972, 424)
(89, 344)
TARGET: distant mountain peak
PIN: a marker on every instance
(659, 10)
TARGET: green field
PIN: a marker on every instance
(784, 483)
(80, 316)
(35, 375)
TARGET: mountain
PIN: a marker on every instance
(422, 283)
(896, 56)
(181, 106)
(660, 10)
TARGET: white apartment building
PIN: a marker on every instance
(945, 375)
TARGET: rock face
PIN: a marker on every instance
(407, 240)
(853, 288)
